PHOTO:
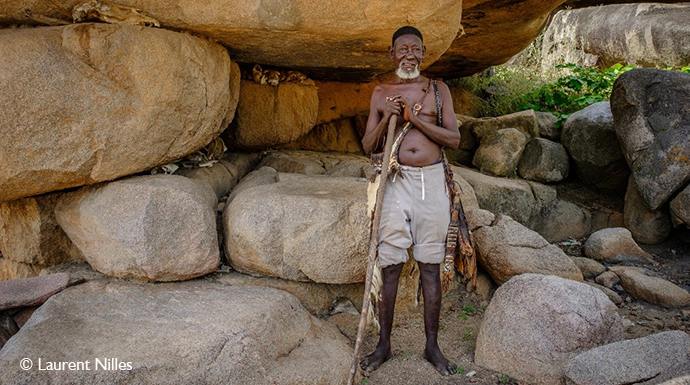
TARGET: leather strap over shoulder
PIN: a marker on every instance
(439, 117)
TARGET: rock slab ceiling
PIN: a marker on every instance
(312, 35)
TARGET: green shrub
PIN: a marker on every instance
(569, 88)
(574, 91)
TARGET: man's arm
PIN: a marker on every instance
(449, 134)
(377, 124)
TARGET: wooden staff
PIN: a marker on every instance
(373, 246)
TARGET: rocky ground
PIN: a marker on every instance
(462, 315)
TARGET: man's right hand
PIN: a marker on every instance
(393, 106)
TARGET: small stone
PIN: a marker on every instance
(523, 121)
(30, 291)
(615, 245)
(607, 279)
(589, 267)
(651, 289)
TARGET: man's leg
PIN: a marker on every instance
(431, 287)
(389, 291)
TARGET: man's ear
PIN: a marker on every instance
(423, 51)
(391, 52)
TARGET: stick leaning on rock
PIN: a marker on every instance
(373, 247)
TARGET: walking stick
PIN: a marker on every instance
(373, 246)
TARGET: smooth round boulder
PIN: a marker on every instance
(651, 119)
(591, 141)
(544, 161)
(196, 332)
(309, 228)
(499, 152)
(536, 323)
(614, 245)
(507, 248)
(87, 103)
(523, 121)
(150, 228)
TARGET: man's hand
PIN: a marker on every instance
(405, 104)
(392, 106)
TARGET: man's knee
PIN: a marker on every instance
(429, 270)
(390, 255)
(430, 253)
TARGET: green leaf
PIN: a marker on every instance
(576, 83)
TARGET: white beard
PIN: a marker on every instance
(402, 74)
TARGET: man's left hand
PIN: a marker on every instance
(407, 107)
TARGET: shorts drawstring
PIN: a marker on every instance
(422, 170)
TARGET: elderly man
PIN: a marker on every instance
(416, 207)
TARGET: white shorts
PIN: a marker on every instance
(416, 211)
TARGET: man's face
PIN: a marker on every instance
(407, 53)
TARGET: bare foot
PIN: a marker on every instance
(375, 359)
(442, 365)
